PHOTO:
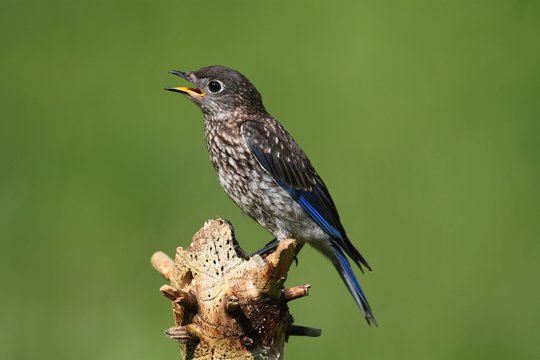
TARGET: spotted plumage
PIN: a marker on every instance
(266, 173)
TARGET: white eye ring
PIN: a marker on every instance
(215, 86)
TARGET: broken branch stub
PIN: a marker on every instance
(227, 305)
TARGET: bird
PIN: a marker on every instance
(266, 173)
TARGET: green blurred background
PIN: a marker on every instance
(422, 117)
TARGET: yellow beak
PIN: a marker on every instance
(187, 91)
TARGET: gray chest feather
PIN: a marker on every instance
(239, 173)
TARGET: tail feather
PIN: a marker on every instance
(346, 272)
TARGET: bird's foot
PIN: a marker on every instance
(270, 248)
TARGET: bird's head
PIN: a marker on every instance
(220, 91)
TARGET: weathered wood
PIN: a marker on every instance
(296, 292)
(227, 305)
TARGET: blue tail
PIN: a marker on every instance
(346, 272)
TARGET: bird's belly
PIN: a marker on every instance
(259, 196)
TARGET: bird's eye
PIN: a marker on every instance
(215, 86)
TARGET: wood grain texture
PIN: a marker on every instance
(227, 305)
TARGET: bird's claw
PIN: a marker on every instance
(268, 248)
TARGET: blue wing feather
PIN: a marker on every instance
(312, 204)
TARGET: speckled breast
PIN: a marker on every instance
(253, 189)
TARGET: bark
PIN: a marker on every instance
(226, 304)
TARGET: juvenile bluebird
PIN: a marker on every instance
(266, 173)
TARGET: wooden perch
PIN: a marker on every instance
(227, 305)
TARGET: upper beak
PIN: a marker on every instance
(182, 74)
(185, 90)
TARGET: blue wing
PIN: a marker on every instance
(281, 157)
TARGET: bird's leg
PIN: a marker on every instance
(270, 247)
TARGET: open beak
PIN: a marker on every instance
(195, 92)
(187, 91)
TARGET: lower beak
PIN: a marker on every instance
(187, 91)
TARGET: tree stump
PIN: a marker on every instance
(226, 304)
